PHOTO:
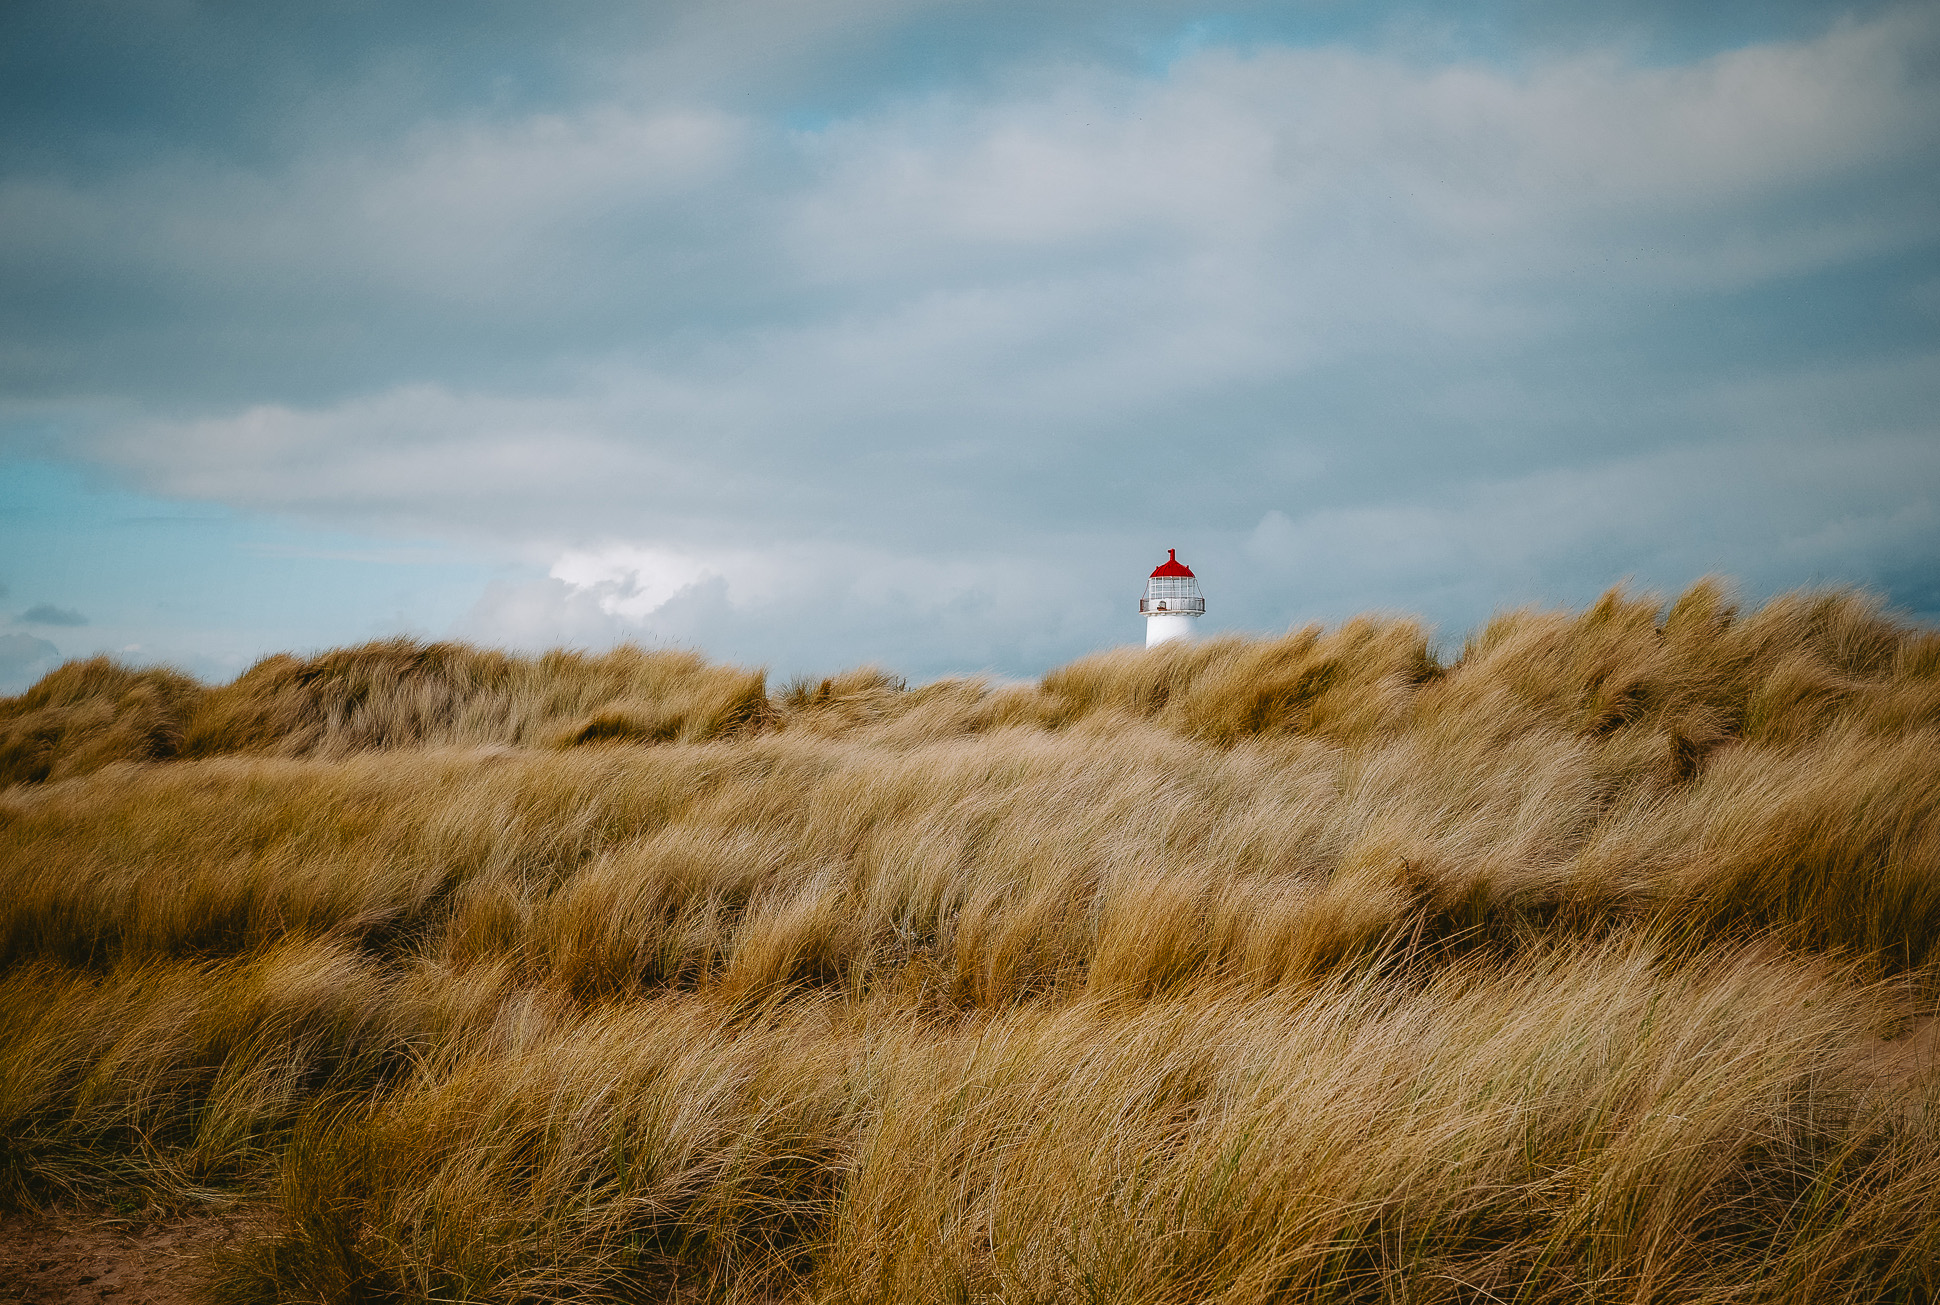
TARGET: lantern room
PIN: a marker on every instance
(1172, 601)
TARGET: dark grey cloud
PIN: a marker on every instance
(300, 203)
(48, 614)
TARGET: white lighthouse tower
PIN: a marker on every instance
(1172, 601)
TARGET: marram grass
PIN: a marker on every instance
(1596, 964)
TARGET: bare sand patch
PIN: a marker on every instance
(69, 1257)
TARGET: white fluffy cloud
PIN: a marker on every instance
(628, 582)
(813, 608)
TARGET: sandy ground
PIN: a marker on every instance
(69, 1257)
(1909, 1057)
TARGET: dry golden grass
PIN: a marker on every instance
(393, 694)
(1298, 969)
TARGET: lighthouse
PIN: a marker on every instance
(1172, 601)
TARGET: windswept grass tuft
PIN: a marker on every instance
(85, 715)
(391, 694)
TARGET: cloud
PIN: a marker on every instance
(698, 301)
(750, 378)
(1452, 170)
(627, 582)
(48, 614)
(801, 609)
(24, 659)
(1771, 515)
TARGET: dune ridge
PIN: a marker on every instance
(1308, 968)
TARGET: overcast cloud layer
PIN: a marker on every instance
(914, 333)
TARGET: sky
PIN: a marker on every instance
(913, 332)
